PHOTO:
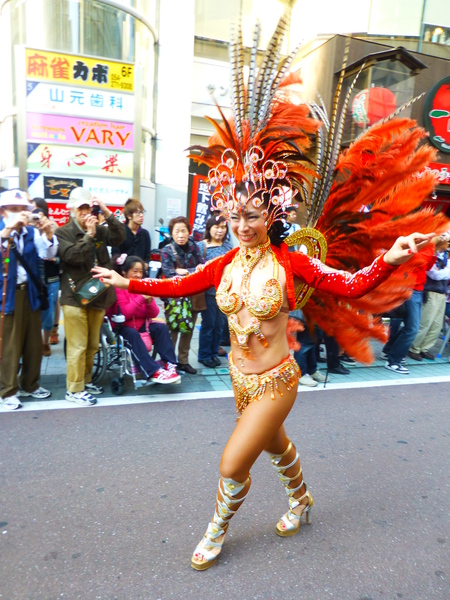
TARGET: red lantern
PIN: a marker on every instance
(371, 105)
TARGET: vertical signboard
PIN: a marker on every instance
(79, 126)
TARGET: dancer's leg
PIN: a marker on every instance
(286, 462)
(256, 429)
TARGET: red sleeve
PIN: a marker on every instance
(194, 283)
(340, 283)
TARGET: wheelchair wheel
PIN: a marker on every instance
(100, 360)
(117, 386)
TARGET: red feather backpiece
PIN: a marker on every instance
(379, 185)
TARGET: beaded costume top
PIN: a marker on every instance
(263, 307)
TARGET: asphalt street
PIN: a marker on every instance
(109, 503)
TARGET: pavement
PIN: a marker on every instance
(109, 503)
(214, 382)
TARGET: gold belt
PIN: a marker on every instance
(250, 388)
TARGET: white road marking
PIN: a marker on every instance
(152, 398)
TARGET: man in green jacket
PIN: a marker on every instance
(83, 242)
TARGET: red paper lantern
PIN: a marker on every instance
(371, 105)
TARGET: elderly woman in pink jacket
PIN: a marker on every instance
(139, 311)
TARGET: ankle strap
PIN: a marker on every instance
(275, 458)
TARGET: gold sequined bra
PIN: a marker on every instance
(264, 307)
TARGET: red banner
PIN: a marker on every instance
(200, 205)
(60, 214)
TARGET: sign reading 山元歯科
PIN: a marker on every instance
(52, 98)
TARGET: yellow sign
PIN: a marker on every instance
(80, 70)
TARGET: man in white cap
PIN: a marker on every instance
(81, 243)
(21, 312)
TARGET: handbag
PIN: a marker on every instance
(90, 290)
(145, 335)
(178, 312)
(40, 286)
(198, 301)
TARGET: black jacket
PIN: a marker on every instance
(135, 245)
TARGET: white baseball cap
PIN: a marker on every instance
(15, 197)
(79, 196)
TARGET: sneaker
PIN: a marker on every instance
(348, 360)
(171, 367)
(12, 403)
(81, 398)
(307, 380)
(40, 393)
(319, 377)
(397, 368)
(93, 389)
(384, 356)
(163, 376)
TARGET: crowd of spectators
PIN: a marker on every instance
(37, 255)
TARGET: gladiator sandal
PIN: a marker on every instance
(289, 524)
(207, 551)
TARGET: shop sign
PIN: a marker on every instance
(78, 70)
(48, 98)
(110, 190)
(60, 213)
(76, 161)
(441, 171)
(58, 188)
(58, 129)
(372, 105)
(437, 115)
(200, 205)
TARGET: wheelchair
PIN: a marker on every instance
(113, 355)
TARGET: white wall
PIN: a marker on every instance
(173, 121)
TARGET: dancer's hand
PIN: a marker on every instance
(405, 247)
(110, 277)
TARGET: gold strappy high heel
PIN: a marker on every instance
(209, 548)
(289, 524)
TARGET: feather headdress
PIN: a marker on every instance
(264, 144)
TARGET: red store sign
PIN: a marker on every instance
(442, 172)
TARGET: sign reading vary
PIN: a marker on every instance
(74, 130)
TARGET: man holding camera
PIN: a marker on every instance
(20, 331)
(83, 243)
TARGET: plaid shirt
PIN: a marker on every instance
(188, 257)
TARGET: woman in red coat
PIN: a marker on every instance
(139, 310)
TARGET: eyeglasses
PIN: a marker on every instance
(139, 213)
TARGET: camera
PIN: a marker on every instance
(36, 217)
(95, 210)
